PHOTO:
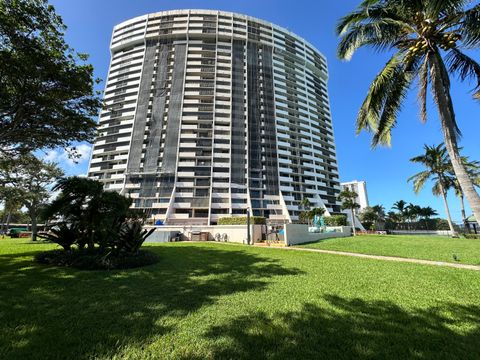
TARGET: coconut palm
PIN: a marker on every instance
(437, 164)
(349, 201)
(473, 170)
(400, 206)
(426, 213)
(305, 203)
(428, 38)
(412, 212)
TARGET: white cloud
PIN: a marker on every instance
(51, 156)
(77, 154)
(71, 156)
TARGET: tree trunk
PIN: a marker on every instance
(33, 218)
(9, 217)
(447, 211)
(462, 209)
(353, 222)
(441, 93)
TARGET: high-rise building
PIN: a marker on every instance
(360, 187)
(210, 113)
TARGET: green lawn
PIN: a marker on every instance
(221, 301)
(439, 248)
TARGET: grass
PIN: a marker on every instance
(221, 301)
(438, 248)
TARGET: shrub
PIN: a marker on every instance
(131, 237)
(471, 236)
(96, 259)
(241, 220)
(62, 234)
(336, 220)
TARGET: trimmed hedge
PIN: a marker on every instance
(336, 220)
(241, 220)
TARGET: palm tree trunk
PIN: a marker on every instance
(353, 222)
(462, 210)
(447, 211)
(441, 93)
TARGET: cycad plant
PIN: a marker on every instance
(437, 165)
(428, 38)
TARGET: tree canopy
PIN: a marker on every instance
(428, 39)
(27, 179)
(47, 96)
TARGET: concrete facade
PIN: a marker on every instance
(210, 113)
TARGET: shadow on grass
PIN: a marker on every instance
(350, 329)
(65, 313)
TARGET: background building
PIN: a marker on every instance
(209, 113)
(360, 187)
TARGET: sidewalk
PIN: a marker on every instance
(387, 258)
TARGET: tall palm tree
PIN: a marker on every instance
(306, 204)
(400, 206)
(428, 38)
(426, 213)
(473, 170)
(349, 201)
(437, 164)
(412, 212)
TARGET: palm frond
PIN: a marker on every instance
(470, 29)
(393, 100)
(419, 180)
(368, 11)
(369, 113)
(437, 8)
(464, 66)
(380, 35)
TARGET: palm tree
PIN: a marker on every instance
(348, 199)
(428, 38)
(426, 213)
(400, 206)
(306, 207)
(473, 169)
(412, 212)
(437, 164)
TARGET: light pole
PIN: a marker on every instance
(248, 226)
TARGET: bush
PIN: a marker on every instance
(96, 259)
(336, 220)
(241, 220)
(471, 236)
(62, 234)
(131, 237)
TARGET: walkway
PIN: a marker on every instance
(387, 258)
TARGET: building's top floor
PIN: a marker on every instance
(204, 23)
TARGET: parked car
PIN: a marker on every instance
(16, 232)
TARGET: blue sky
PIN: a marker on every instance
(385, 169)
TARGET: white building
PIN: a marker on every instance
(211, 113)
(360, 187)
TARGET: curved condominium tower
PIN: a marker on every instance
(209, 113)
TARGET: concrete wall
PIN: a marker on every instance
(298, 234)
(234, 233)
